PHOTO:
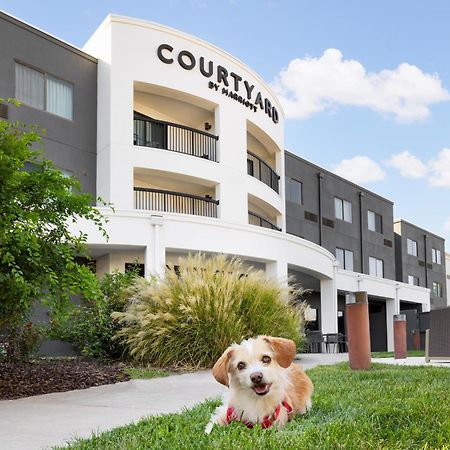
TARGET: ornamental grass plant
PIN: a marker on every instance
(189, 316)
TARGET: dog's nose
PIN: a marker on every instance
(256, 377)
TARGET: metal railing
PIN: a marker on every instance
(259, 169)
(149, 132)
(256, 219)
(175, 202)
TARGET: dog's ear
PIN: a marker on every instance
(285, 350)
(220, 369)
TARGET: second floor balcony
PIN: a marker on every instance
(154, 133)
(256, 219)
(258, 168)
(174, 202)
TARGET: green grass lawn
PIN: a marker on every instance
(391, 354)
(384, 408)
(146, 372)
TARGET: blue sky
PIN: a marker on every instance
(379, 100)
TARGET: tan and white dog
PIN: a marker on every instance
(265, 387)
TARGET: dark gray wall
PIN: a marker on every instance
(71, 145)
(421, 265)
(377, 323)
(334, 232)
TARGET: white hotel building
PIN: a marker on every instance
(190, 152)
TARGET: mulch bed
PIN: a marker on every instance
(55, 375)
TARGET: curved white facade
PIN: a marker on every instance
(162, 95)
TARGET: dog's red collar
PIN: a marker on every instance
(267, 422)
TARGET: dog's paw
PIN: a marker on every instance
(209, 427)
(306, 407)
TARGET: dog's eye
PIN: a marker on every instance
(266, 359)
(241, 366)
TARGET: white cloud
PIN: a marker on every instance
(437, 169)
(440, 168)
(409, 165)
(360, 169)
(447, 225)
(310, 85)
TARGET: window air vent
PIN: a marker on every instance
(310, 216)
(430, 266)
(387, 243)
(422, 263)
(328, 222)
(3, 111)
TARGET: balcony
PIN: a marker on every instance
(174, 202)
(149, 132)
(259, 169)
(256, 219)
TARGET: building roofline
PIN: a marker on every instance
(339, 177)
(418, 228)
(43, 34)
(117, 18)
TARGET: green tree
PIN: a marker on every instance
(38, 253)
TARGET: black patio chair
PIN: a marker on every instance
(342, 341)
(332, 342)
(315, 341)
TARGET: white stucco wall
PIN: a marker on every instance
(127, 52)
(128, 66)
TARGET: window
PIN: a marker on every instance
(67, 174)
(44, 91)
(136, 267)
(250, 169)
(294, 191)
(437, 289)
(310, 314)
(342, 209)
(413, 280)
(411, 247)
(374, 222)
(436, 256)
(345, 258)
(30, 86)
(59, 97)
(376, 267)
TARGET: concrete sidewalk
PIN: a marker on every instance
(412, 361)
(53, 419)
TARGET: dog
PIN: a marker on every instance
(265, 387)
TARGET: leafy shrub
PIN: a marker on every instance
(189, 317)
(38, 253)
(22, 342)
(89, 327)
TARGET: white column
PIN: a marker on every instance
(120, 176)
(392, 308)
(277, 270)
(155, 253)
(232, 144)
(329, 304)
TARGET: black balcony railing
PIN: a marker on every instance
(255, 219)
(257, 168)
(175, 202)
(149, 132)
